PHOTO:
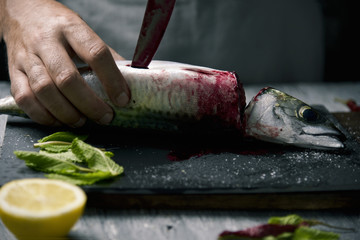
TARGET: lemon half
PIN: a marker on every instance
(39, 207)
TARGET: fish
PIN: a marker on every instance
(277, 117)
(175, 97)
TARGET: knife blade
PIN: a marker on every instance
(156, 19)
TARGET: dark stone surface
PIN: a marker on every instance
(169, 163)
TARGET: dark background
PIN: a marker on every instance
(341, 48)
(341, 40)
(3, 62)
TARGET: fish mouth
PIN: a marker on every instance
(323, 138)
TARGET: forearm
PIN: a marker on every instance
(2, 10)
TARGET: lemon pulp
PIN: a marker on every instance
(40, 207)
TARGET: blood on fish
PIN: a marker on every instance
(219, 99)
(270, 131)
(223, 98)
(260, 93)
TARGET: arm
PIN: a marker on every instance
(2, 6)
(42, 38)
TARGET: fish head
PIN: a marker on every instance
(275, 116)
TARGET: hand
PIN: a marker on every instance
(42, 38)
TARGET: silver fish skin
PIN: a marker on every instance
(172, 96)
(277, 117)
(8, 106)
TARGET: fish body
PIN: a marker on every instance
(174, 96)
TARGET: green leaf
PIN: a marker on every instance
(48, 163)
(95, 158)
(63, 136)
(306, 233)
(287, 220)
(81, 178)
(58, 142)
(65, 156)
(54, 146)
(68, 156)
(109, 154)
(283, 236)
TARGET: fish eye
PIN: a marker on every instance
(308, 114)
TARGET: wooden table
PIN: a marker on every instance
(199, 223)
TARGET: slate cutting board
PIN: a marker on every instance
(203, 171)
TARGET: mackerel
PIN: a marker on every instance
(173, 97)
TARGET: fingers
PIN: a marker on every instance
(42, 85)
(92, 50)
(72, 86)
(55, 90)
(35, 92)
(26, 100)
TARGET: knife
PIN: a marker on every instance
(156, 19)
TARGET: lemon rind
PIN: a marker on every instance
(6, 208)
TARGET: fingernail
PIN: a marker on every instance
(79, 123)
(106, 119)
(122, 99)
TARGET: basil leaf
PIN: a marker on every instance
(65, 156)
(287, 220)
(47, 163)
(63, 136)
(283, 236)
(306, 233)
(68, 156)
(81, 178)
(95, 158)
(58, 142)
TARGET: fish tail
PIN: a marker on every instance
(8, 106)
